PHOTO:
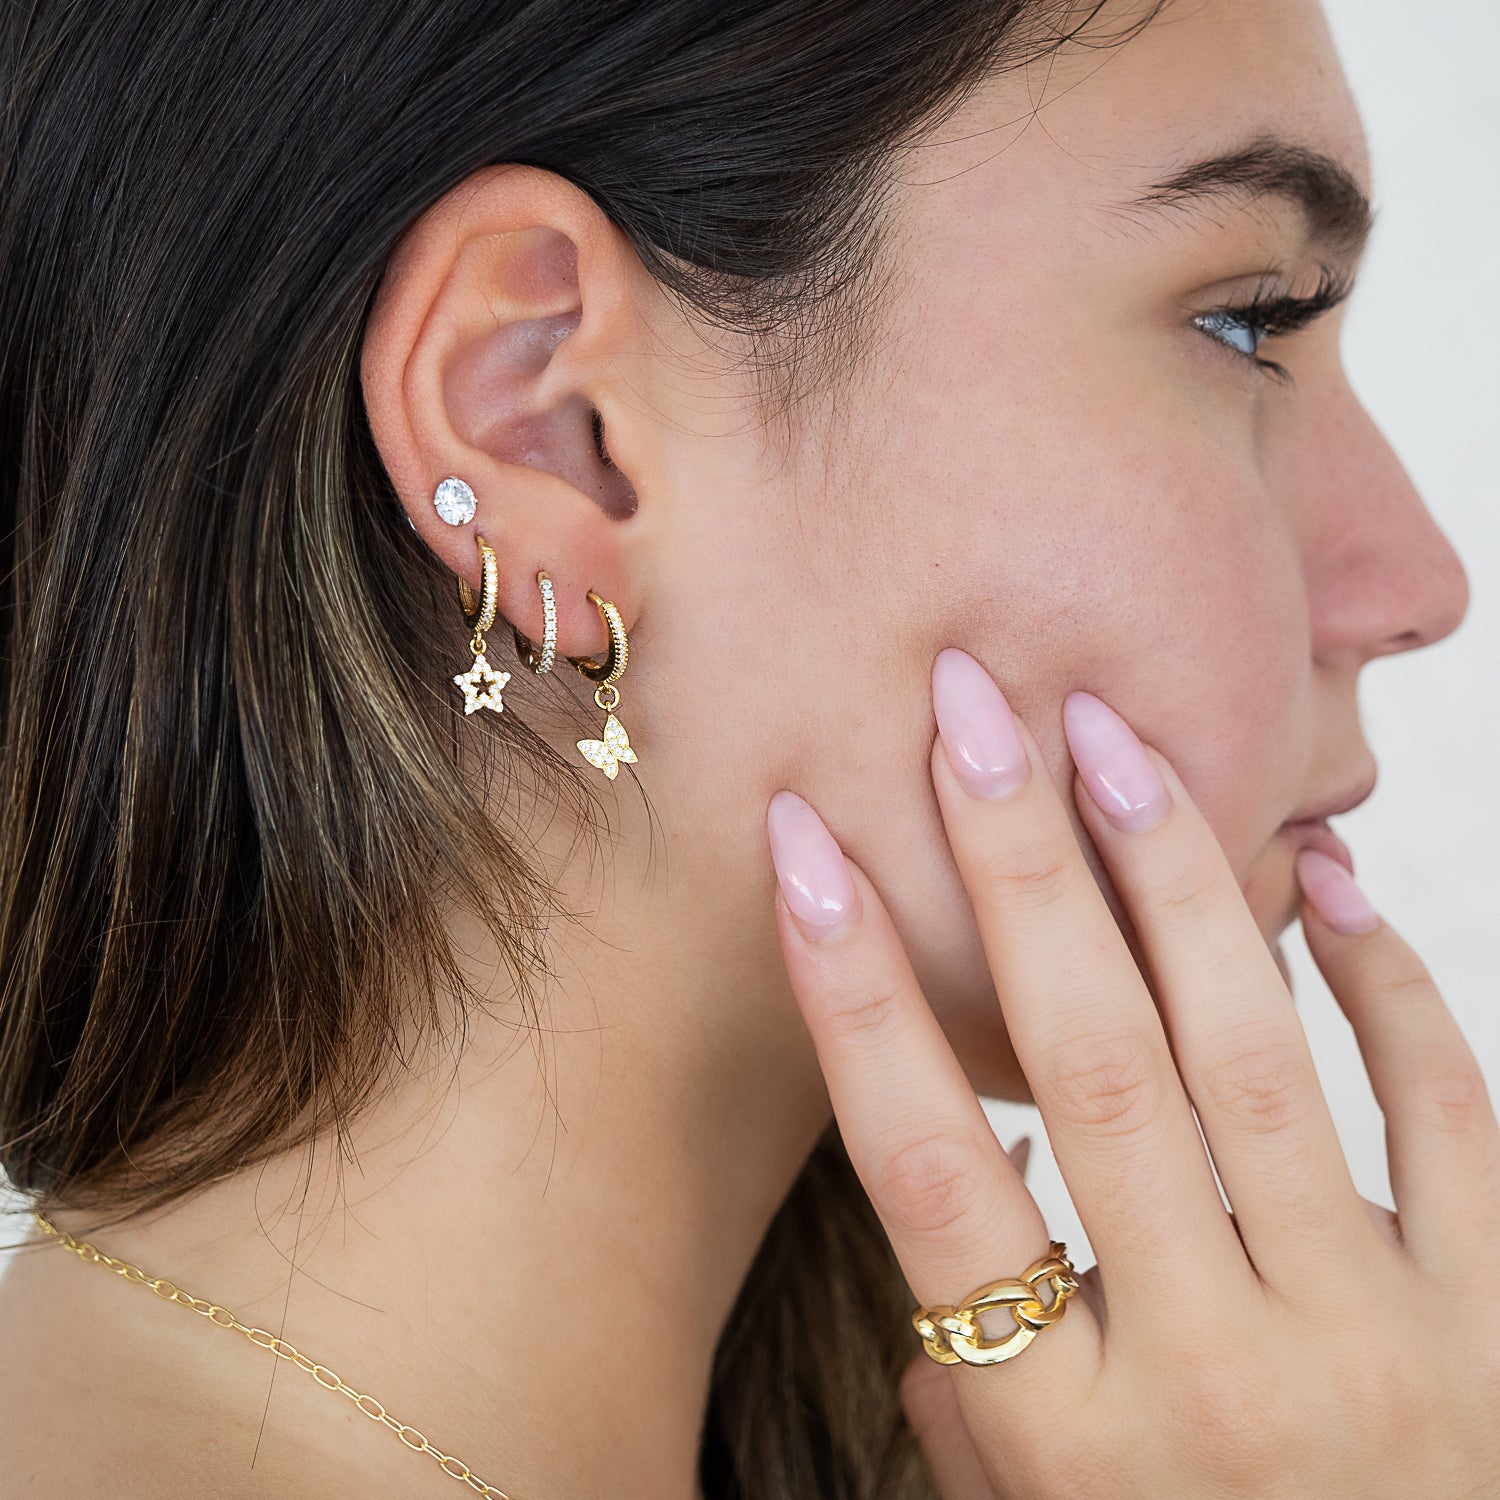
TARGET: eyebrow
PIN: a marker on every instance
(1337, 211)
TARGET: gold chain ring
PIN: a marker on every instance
(951, 1334)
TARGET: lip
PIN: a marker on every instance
(1314, 833)
(1320, 812)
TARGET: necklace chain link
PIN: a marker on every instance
(221, 1317)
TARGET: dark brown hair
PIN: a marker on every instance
(223, 860)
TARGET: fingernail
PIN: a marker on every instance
(810, 866)
(977, 727)
(1333, 893)
(1114, 764)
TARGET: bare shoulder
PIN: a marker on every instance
(65, 1397)
(104, 1389)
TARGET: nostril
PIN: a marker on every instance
(1406, 640)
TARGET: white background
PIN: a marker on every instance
(1421, 344)
(1421, 347)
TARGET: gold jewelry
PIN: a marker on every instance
(607, 753)
(951, 1334)
(221, 1317)
(540, 662)
(481, 683)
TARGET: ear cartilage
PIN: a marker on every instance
(454, 502)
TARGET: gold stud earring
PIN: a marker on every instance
(607, 753)
(481, 683)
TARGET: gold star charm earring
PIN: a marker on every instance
(481, 683)
(607, 753)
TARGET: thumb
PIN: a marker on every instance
(931, 1406)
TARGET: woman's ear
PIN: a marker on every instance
(504, 343)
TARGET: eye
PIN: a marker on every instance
(1235, 329)
(1242, 330)
(1243, 327)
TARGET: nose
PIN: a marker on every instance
(1382, 577)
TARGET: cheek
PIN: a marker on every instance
(1109, 536)
(1173, 591)
(1122, 545)
(1181, 601)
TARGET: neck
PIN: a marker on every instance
(536, 1254)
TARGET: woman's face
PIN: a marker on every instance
(1046, 462)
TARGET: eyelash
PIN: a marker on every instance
(1275, 314)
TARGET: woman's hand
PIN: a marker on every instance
(1311, 1345)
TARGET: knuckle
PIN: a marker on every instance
(1185, 897)
(1407, 975)
(933, 1183)
(1035, 874)
(1222, 1403)
(1109, 1083)
(1371, 1395)
(1452, 1095)
(862, 1015)
(1081, 1468)
(1262, 1087)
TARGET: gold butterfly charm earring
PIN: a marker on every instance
(607, 753)
(481, 683)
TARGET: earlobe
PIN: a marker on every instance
(505, 326)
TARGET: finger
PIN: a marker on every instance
(953, 1204)
(1442, 1137)
(1382, 1220)
(1236, 1036)
(1079, 1014)
(930, 1400)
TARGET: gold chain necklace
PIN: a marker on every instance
(221, 1317)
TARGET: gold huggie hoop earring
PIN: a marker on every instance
(540, 661)
(607, 753)
(480, 613)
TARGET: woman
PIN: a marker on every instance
(886, 410)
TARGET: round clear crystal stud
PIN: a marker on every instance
(454, 502)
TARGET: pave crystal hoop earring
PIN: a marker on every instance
(541, 661)
(481, 683)
(607, 753)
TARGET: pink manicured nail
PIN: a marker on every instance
(1333, 893)
(810, 866)
(1114, 764)
(977, 727)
